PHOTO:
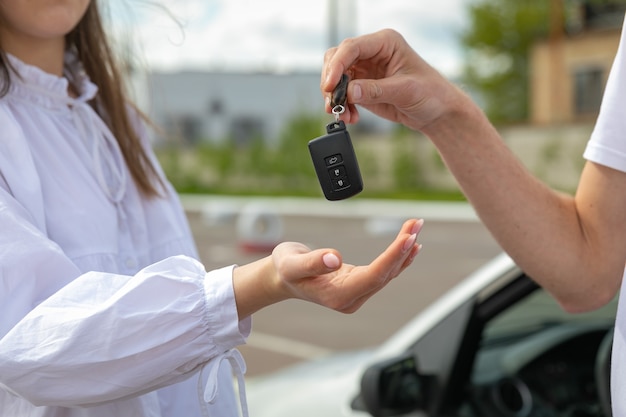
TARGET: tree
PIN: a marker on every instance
(499, 38)
(498, 42)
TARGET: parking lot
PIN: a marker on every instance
(454, 244)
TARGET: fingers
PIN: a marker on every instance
(357, 302)
(399, 254)
(409, 260)
(320, 276)
(339, 60)
(351, 113)
(392, 260)
(306, 263)
(363, 282)
(377, 65)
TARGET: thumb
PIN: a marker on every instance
(331, 261)
(365, 91)
(396, 90)
(323, 261)
(314, 263)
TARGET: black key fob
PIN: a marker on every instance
(335, 163)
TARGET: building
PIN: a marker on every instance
(570, 68)
(194, 106)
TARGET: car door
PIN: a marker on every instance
(510, 350)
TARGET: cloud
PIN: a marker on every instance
(430, 27)
(285, 34)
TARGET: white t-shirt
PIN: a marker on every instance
(607, 147)
(104, 308)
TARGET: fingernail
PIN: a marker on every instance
(357, 93)
(409, 242)
(417, 226)
(414, 254)
(331, 260)
(326, 78)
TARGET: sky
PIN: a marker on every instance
(279, 35)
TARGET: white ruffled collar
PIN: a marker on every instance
(49, 90)
(35, 86)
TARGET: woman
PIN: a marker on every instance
(106, 310)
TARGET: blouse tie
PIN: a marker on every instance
(233, 356)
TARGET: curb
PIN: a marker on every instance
(216, 206)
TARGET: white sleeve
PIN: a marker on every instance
(71, 340)
(607, 145)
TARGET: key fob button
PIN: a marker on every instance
(337, 172)
(340, 183)
(334, 159)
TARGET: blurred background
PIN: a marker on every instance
(233, 86)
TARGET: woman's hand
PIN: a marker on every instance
(320, 276)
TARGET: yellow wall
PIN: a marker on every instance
(553, 65)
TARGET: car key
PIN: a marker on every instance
(335, 163)
(339, 96)
(333, 155)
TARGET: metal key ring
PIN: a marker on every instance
(338, 109)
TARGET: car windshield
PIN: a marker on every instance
(538, 311)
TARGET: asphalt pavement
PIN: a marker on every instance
(240, 230)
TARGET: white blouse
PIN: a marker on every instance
(104, 308)
(607, 147)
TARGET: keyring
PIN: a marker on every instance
(337, 110)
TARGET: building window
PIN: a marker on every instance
(246, 129)
(588, 90)
(185, 128)
(216, 107)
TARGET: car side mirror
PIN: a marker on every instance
(394, 387)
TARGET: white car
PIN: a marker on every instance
(495, 345)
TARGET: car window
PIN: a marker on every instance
(538, 311)
(535, 359)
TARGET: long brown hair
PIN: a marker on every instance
(94, 51)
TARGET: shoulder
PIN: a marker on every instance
(15, 152)
(12, 131)
(8, 121)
